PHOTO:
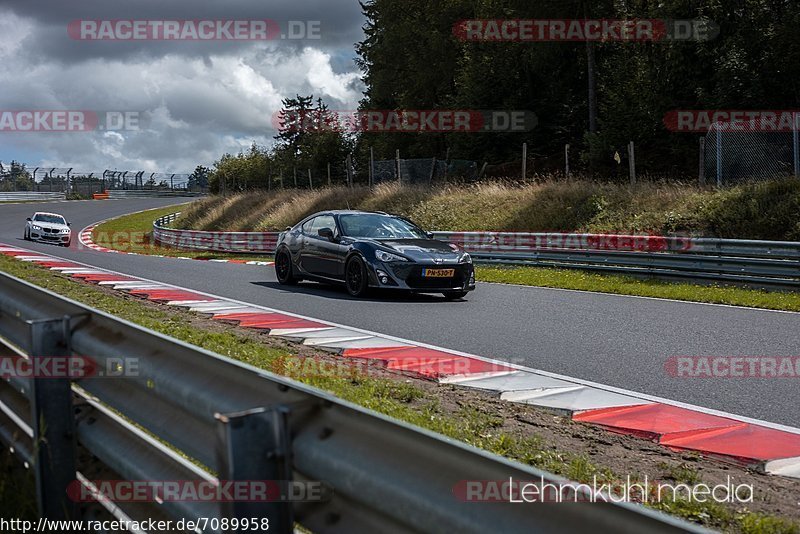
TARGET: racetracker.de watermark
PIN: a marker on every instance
(193, 30)
(198, 491)
(733, 367)
(732, 120)
(407, 120)
(521, 242)
(70, 121)
(602, 30)
(71, 367)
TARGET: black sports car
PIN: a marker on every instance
(366, 250)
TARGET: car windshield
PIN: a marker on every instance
(54, 219)
(379, 227)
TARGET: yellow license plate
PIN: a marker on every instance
(438, 273)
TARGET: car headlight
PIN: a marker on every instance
(65, 231)
(36, 227)
(388, 256)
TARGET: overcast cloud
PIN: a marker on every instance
(202, 98)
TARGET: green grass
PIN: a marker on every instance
(626, 285)
(132, 233)
(395, 398)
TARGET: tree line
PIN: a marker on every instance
(595, 96)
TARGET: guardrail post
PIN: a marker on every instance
(255, 445)
(53, 422)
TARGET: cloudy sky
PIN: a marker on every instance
(202, 98)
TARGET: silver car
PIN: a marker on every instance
(48, 228)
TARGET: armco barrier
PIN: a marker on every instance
(186, 407)
(24, 196)
(236, 242)
(144, 193)
(773, 264)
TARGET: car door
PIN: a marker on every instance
(305, 257)
(325, 256)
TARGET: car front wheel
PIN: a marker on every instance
(356, 277)
(26, 236)
(283, 268)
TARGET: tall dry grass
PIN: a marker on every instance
(762, 211)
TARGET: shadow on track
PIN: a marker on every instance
(339, 293)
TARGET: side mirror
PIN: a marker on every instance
(429, 234)
(288, 228)
(28, 219)
(327, 233)
(69, 224)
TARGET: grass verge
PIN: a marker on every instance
(626, 285)
(417, 402)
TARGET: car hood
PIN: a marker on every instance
(421, 249)
(50, 226)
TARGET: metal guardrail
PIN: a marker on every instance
(762, 263)
(187, 408)
(233, 242)
(30, 195)
(150, 193)
(774, 264)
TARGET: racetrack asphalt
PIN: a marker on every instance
(615, 340)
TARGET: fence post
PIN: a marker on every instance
(719, 157)
(53, 422)
(433, 171)
(397, 164)
(371, 167)
(310, 183)
(349, 163)
(294, 171)
(796, 144)
(329, 174)
(566, 161)
(702, 169)
(172, 182)
(632, 163)
(255, 445)
(524, 160)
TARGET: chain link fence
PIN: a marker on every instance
(18, 177)
(424, 171)
(733, 154)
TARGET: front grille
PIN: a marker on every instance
(415, 280)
